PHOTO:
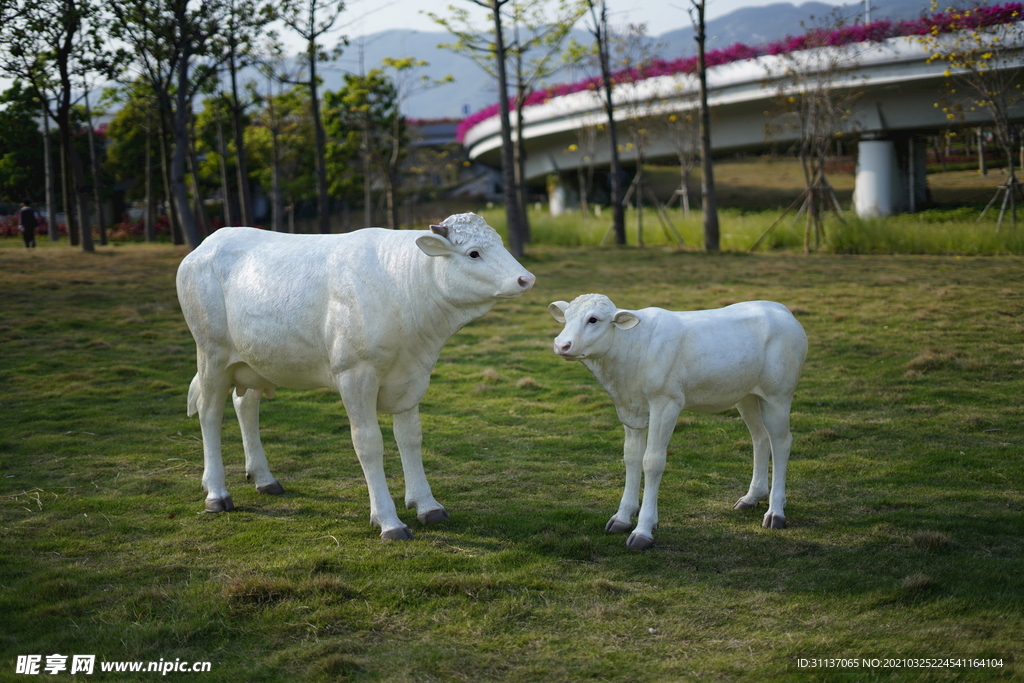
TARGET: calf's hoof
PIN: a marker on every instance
(401, 533)
(219, 504)
(614, 526)
(742, 504)
(433, 516)
(774, 521)
(638, 541)
(274, 488)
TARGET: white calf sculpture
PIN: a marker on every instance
(365, 313)
(655, 363)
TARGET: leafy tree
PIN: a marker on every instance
(174, 44)
(538, 41)
(282, 151)
(598, 27)
(984, 71)
(488, 49)
(21, 161)
(244, 23)
(311, 20)
(46, 38)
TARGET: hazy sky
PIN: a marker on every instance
(363, 17)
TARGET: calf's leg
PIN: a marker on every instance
(409, 435)
(359, 389)
(247, 408)
(750, 411)
(633, 455)
(664, 414)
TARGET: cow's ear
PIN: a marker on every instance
(434, 245)
(557, 310)
(624, 320)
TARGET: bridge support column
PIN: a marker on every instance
(891, 177)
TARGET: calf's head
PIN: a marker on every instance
(472, 264)
(591, 321)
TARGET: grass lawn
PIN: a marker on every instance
(906, 502)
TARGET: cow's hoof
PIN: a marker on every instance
(274, 488)
(433, 516)
(742, 504)
(401, 533)
(219, 504)
(638, 541)
(614, 526)
(774, 521)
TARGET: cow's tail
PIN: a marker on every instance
(193, 396)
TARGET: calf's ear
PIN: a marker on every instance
(434, 245)
(624, 320)
(557, 310)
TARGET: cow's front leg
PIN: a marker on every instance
(409, 436)
(663, 422)
(633, 456)
(358, 389)
(247, 408)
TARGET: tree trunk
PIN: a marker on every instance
(97, 194)
(275, 172)
(81, 186)
(707, 163)
(149, 220)
(180, 131)
(523, 193)
(323, 207)
(244, 189)
(508, 179)
(618, 210)
(165, 172)
(225, 186)
(65, 190)
(51, 202)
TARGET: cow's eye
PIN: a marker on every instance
(592, 320)
(474, 254)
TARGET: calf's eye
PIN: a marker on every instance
(474, 254)
(592, 320)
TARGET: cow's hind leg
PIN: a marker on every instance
(750, 411)
(247, 408)
(409, 436)
(207, 396)
(775, 413)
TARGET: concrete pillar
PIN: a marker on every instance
(559, 196)
(877, 171)
(891, 177)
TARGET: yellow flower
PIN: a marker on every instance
(673, 118)
(573, 148)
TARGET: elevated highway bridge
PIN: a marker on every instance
(898, 103)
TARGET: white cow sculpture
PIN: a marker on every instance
(655, 363)
(365, 313)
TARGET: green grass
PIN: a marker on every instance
(905, 495)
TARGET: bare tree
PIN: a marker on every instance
(815, 96)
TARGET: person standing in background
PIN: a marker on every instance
(27, 224)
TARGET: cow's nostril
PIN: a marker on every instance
(526, 281)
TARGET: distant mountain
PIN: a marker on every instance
(473, 89)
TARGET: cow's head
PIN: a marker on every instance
(474, 266)
(591, 321)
